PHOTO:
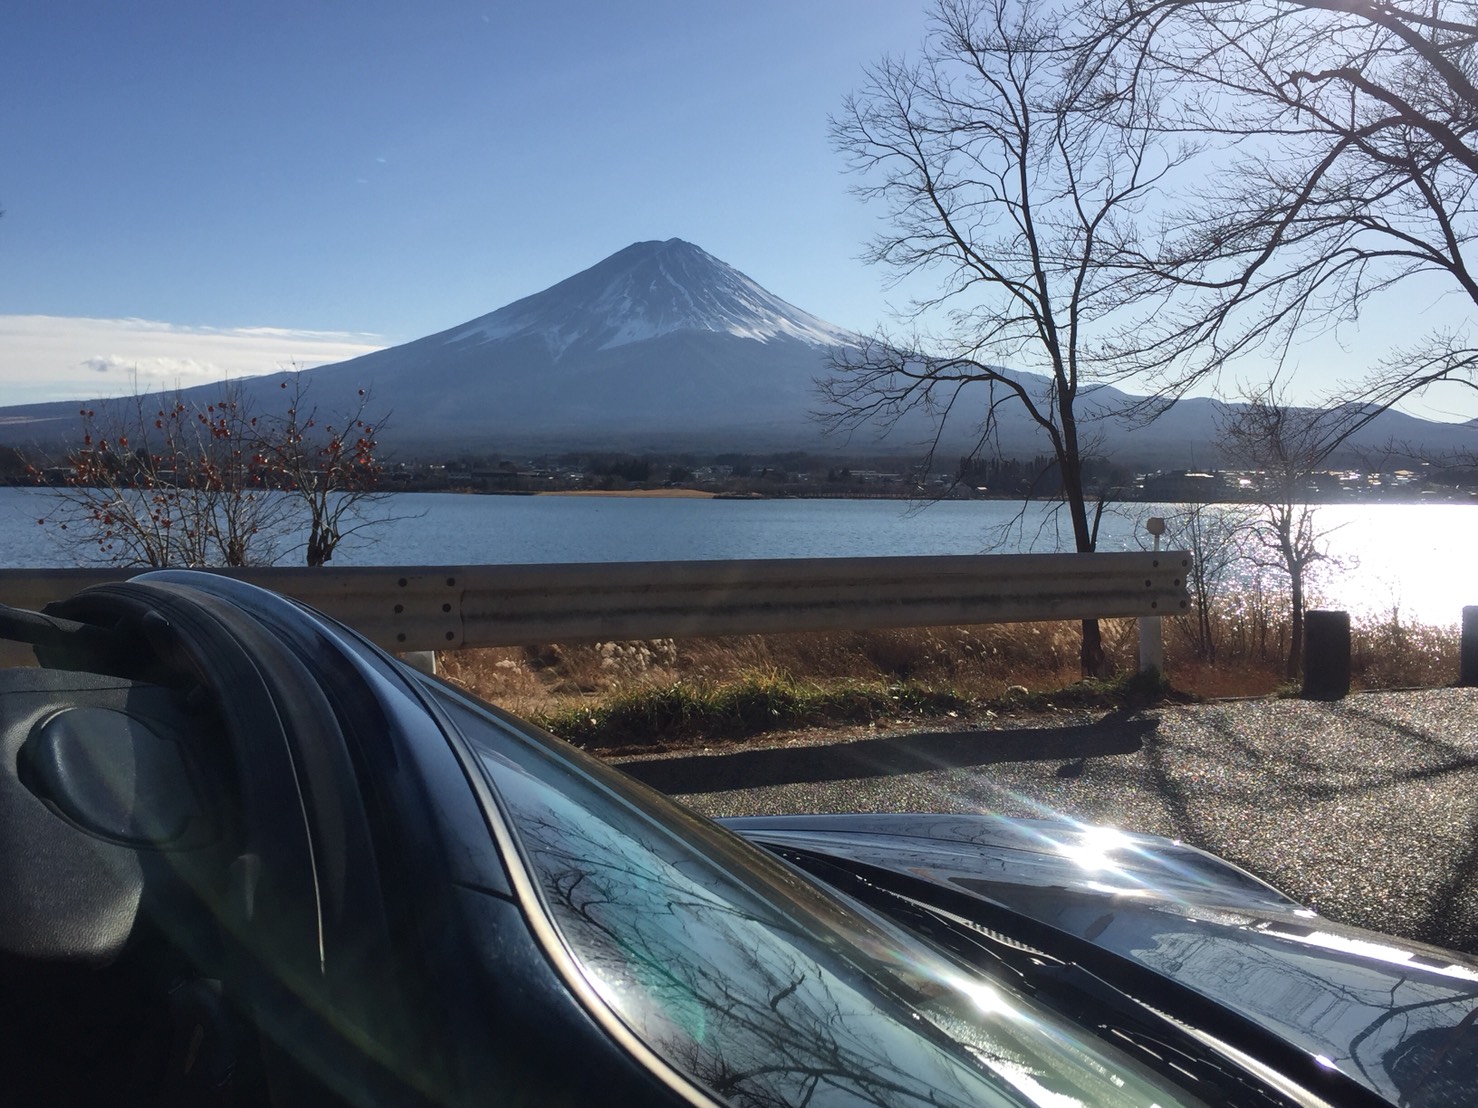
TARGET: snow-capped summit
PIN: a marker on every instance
(645, 291)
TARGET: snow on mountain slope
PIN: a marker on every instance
(645, 291)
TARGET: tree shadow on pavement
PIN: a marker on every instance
(885, 757)
(1325, 781)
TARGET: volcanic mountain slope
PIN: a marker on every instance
(662, 346)
(659, 344)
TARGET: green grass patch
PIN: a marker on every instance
(687, 711)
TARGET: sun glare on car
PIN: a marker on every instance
(1095, 848)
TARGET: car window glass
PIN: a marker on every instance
(743, 976)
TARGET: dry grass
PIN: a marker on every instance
(975, 663)
(613, 692)
(1393, 655)
(1252, 642)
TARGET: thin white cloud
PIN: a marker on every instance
(67, 358)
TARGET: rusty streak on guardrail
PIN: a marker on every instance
(406, 608)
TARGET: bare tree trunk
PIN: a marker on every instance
(1296, 624)
(1093, 660)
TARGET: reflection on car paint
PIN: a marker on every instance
(764, 999)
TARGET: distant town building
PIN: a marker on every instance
(1184, 485)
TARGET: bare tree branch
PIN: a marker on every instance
(1342, 155)
(1284, 446)
(1016, 181)
(164, 480)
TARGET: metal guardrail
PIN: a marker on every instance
(415, 608)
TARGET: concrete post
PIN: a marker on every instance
(1467, 669)
(1326, 655)
(1151, 645)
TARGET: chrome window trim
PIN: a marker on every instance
(546, 932)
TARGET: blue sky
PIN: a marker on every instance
(376, 171)
(195, 188)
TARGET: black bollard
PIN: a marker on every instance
(1467, 664)
(1326, 655)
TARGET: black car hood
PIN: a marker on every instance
(1399, 1017)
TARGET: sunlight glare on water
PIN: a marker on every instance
(1413, 561)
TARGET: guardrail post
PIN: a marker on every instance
(1151, 645)
(1467, 668)
(1151, 631)
(1326, 655)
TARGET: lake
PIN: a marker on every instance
(1416, 559)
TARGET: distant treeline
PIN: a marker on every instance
(798, 473)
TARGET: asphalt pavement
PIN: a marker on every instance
(1364, 808)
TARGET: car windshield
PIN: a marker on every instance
(744, 976)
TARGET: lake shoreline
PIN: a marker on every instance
(639, 494)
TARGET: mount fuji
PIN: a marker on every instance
(660, 345)
(664, 347)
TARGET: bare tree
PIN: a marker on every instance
(328, 465)
(1343, 154)
(1018, 181)
(1285, 445)
(173, 481)
(158, 481)
(1213, 535)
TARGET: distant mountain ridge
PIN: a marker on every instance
(663, 347)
